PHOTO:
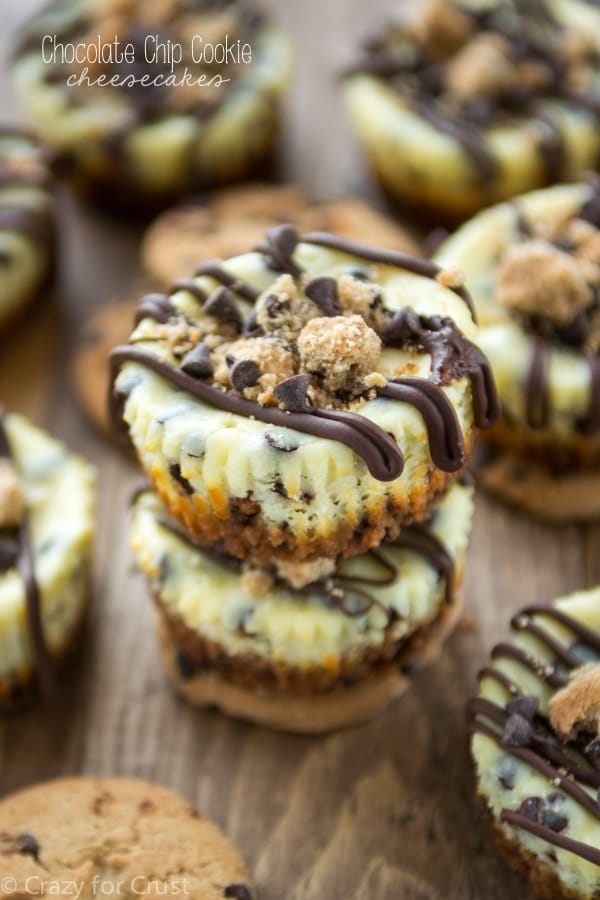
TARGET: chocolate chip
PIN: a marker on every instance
(323, 292)
(292, 393)
(5, 259)
(155, 306)
(244, 374)
(175, 473)
(517, 731)
(251, 327)
(554, 819)
(533, 809)
(280, 442)
(197, 362)
(592, 751)
(221, 305)
(275, 305)
(280, 243)
(525, 705)
(403, 328)
(237, 892)
(26, 845)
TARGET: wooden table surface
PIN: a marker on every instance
(381, 812)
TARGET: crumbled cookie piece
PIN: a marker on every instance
(256, 582)
(576, 708)
(440, 27)
(283, 311)
(11, 496)
(450, 277)
(363, 298)
(273, 359)
(298, 575)
(339, 351)
(483, 67)
(538, 279)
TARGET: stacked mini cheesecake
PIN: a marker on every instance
(304, 414)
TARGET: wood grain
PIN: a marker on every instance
(378, 813)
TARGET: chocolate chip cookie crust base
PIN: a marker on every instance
(245, 533)
(289, 700)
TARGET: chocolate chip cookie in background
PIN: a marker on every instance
(141, 146)
(533, 267)
(236, 218)
(534, 740)
(306, 399)
(46, 532)
(115, 837)
(27, 226)
(462, 104)
(305, 648)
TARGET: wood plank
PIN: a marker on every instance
(375, 813)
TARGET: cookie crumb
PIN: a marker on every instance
(482, 67)
(256, 582)
(338, 351)
(450, 277)
(576, 707)
(538, 279)
(298, 575)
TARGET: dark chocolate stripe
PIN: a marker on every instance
(418, 539)
(537, 399)
(545, 672)
(524, 623)
(557, 777)
(468, 136)
(379, 451)
(551, 145)
(446, 441)
(580, 630)
(518, 820)
(189, 285)
(541, 742)
(384, 257)
(44, 665)
(218, 273)
(543, 752)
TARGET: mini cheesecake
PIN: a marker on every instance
(305, 648)
(27, 222)
(461, 104)
(46, 530)
(138, 130)
(533, 731)
(304, 400)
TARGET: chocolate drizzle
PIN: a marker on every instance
(540, 747)
(379, 451)
(344, 590)
(544, 336)
(533, 34)
(25, 564)
(451, 353)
